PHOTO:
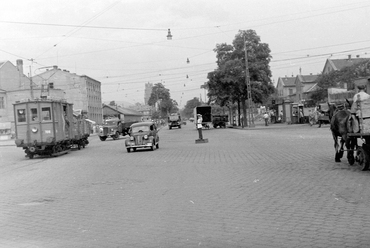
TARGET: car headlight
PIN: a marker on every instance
(34, 130)
(145, 136)
(131, 138)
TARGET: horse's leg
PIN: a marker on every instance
(350, 144)
(336, 147)
(341, 151)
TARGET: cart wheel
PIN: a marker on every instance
(362, 160)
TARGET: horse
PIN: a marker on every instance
(340, 126)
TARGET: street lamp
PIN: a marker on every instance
(169, 35)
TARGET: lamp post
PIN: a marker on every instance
(249, 92)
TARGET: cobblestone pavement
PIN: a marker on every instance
(275, 186)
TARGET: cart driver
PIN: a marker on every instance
(360, 96)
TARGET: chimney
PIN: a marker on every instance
(20, 66)
(55, 67)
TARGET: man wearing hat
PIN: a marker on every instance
(360, 96)
(199, 125)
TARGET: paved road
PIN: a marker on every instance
(268, 187)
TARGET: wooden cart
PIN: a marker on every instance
(363, 151)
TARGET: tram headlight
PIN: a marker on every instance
(131, 138)
(34, 130)
(145, 137)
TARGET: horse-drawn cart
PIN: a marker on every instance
(363, 151)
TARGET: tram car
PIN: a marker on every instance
(47, 127)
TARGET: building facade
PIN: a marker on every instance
(83, 91)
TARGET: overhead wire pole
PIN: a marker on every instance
(249, 92)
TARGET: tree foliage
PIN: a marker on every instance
(161, 95)
(189, 107)
(227, 84)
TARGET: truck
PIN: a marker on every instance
(220, 120)
(206, 112)
(174, 120)
(113, 128)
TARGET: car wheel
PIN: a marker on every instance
(134, 149)
(102, 138)
(152, 147)
(128, 150)
(157, 145)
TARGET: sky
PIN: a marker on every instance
(123, 44)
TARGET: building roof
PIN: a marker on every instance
(124, 111)
(307, 78)
(288, 81)
(339, 64)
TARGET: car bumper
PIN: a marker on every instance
(130, 145)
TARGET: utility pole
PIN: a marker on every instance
(248, 83)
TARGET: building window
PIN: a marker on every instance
(51, 85)
(46, 114)
(34, 116)
(2, 105)
(21, 113)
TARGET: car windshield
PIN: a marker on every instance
(110, 122)
(140, 129)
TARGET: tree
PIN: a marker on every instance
(161, 96)
(112, 103)
(189, 107)
(227, 84)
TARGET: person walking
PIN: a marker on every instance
(266, 117)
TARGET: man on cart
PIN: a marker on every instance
(355, 111)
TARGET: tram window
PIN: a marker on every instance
(34, 115)
(46, 114)
(21, 115)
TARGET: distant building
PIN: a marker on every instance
(125, 114)
(338, 64)
(305, 84)
(286, 86)
(83, 91)
(147, 92)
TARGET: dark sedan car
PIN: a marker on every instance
(142, 135)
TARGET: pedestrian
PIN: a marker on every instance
(199, 126)
(266, 117)
(360, 96)
(301, 116)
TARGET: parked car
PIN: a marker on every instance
(142, 135)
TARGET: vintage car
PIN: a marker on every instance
(142, 135)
